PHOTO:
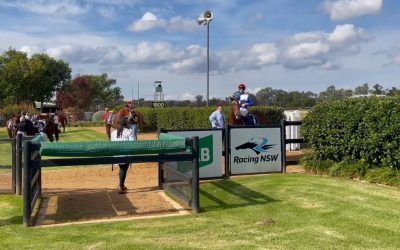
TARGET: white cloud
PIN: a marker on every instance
(145, 54)
(147, 22)
(311, 49)
(60, 7)
(306, 50)
(347, 33)
(322, 49)
(176, 24)
(73, 53)
(181, 97)
(346, 9)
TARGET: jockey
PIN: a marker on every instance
(245, 101)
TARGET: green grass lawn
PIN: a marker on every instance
(275, 211)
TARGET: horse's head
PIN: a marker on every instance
(235, 109)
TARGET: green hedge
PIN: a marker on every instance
(193, 117)
(366, 129)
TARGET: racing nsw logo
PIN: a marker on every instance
(258, 147)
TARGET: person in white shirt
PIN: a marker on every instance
(122, 133)
(217, 118)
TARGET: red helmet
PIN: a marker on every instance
(242, 86)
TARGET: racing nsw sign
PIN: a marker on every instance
(210, 151)
(256, 150)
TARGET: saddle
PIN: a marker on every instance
(250, 120)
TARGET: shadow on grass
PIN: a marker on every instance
(15, 220)
(226, 189)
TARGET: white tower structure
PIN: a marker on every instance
(158, 93)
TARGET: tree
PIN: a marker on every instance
(199, 100)
(362, 90)
(24, 79)
(13, 69)
(393, 91)
(281, 98)
(88, 92)
(377, 90)
(47, 75)
(332, 94)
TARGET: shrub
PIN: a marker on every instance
(384, 175)
(314, 165)
(356, 129)
(193, 117)
(11, 109)
(349, 169)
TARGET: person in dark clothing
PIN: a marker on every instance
(22, 127)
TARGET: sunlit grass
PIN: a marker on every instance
(274, 212)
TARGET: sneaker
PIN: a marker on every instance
(122, 190)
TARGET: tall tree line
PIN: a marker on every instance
(42, 78)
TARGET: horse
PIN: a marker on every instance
(63, 121)
(126, 113)
(11, 125)
(49, 126)
(235, 117)
(43, 124)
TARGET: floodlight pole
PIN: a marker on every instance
(208, 61)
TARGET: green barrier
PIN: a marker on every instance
(166, 144)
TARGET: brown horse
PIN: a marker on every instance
(126, 113)
(236, 119)
(50, 127)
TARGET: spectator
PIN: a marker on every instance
(22, 126)
(217, 118)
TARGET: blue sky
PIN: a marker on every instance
(283, 44)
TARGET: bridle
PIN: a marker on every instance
(235, 109)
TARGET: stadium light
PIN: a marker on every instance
(205, 19)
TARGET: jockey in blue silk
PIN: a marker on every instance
(245, 101)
